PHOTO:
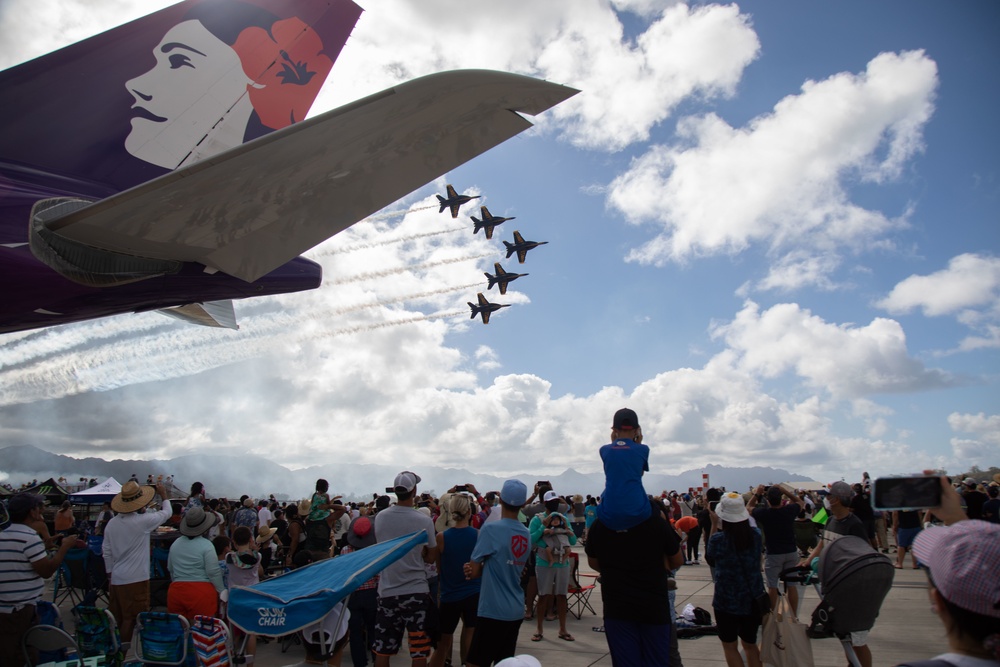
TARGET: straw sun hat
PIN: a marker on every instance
(132, 497)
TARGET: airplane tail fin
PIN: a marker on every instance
(475, 310)
(510, 249)
(92, 112)
(443, 202)
(492, 280)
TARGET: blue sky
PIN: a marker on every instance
(773, 233)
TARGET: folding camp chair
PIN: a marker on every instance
(46, 640)
(163, 639)
(211, 642)
(72, 578)
(97, 635)
(82, 578)
(578, 594)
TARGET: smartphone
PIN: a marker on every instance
(461, 487)
(906, 493)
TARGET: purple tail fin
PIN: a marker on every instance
(165, 90)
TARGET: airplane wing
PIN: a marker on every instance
(521, 255)
(486, 316)
(518, 239)
(454, 210)
(251, 209)
(485, 212)
(482, 300)
(503, 286)
(499, 269)
(451, 192)
(489, 231)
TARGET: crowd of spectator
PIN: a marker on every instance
(491, 561)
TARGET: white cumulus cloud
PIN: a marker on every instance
(781, 181)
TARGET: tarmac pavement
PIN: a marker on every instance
(905, 630)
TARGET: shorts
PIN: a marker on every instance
(859, 638)
(775, 563)
(905, 536)
(466, 610)
(192, 598)
(493, 641)
(732, 626)
(127, 601)
(397, 613)
(552, 580)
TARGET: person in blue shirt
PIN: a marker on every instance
(624, 503)
(499, 557)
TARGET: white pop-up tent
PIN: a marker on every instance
(102, 493)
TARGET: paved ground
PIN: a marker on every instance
(905, 630)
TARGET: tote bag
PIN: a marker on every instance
(783, 642)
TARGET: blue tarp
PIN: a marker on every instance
(304, 596)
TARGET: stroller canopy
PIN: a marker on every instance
(305, 596)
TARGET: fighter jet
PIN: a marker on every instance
(501, 278)
(454, 201)
(485, 308)
(488, 222)
(521, 247)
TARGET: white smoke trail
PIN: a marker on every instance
(403, 269)
(333, 250)
(178, 352)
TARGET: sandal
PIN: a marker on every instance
(565, 636)
(537, 637)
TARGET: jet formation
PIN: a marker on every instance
(487, 223)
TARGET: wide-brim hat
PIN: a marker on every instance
(304, 507)
(361, 533)
(132, 497)
(196, 521)
(731, 508)
(264, 534)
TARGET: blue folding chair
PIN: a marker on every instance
(164, 639)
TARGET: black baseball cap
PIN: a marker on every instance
(625, 420)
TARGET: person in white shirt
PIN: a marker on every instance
(126, 551)
(264, 515)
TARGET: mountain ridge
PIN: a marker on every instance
(232, 476)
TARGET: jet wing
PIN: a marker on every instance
(522, 254)
(251, 209)
(454, 210)
(486, 316)
(518, 239)
(482, 300)
(485, 212)
(451, 192)
(499, 269)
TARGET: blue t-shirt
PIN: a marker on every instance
(503, 547)
(458, 546)
(624, 503)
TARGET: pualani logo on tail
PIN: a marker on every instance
(271, 617)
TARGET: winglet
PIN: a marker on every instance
(219, 314)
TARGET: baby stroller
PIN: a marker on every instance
(853, 580)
